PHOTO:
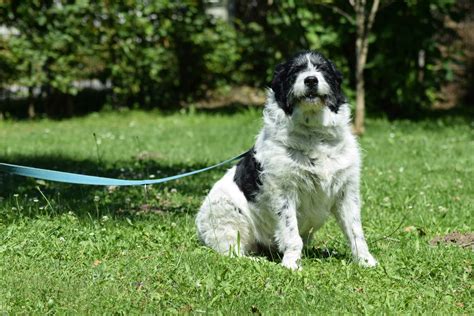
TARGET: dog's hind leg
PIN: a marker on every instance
(222, 226)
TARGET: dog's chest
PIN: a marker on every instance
(319, 169)
(320, 180)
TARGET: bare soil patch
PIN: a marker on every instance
(243, 95)
(465, 240)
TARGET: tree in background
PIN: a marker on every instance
(405, 21)
(165, 53)
(364, 20)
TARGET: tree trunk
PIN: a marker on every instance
(360, 103)
(364, 25)
(360, 64)
(31, 103)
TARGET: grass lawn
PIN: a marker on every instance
(83, 249)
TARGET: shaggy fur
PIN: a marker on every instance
(303, 168)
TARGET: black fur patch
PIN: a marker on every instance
(283, 79)
(247, 175)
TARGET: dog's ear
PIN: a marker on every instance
(277, 75)
(339, 97)
(337, 73)
(279, 87)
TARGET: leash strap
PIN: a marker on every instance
(74, 178)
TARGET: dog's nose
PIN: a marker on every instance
(311, 81)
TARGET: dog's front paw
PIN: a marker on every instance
(291, 263)
(367, 261)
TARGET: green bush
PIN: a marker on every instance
(153, 54)
(161, 53)
(400, 85)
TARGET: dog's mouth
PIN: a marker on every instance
(314, 97)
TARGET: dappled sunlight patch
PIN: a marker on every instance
(414, 229)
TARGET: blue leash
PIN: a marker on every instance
(75, 178)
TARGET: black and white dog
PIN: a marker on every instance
(305, 166)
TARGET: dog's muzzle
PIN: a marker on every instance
(311, 86)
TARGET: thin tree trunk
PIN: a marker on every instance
(359, 127)
(31, 103)
(360, 64)
(364, 25)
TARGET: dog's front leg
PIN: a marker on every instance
(347, 212)
(287, 235)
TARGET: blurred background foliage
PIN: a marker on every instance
(63, 58)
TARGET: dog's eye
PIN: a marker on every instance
(296, 70)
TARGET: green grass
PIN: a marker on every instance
(83, 249)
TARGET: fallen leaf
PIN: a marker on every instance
(186, 309)
(419, 230)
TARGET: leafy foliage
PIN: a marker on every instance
(407, 65)
(160, 53)
(147, 51)
(397, 83)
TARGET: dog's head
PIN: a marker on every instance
(307, 79)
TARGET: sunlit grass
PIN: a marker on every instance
(84, 249)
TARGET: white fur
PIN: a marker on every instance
(311, 164)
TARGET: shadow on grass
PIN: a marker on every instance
(273, 255)
(442, 117)
(175, 197)
(323, 253)
(231, 109)
(179, 196)
(18, 109)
